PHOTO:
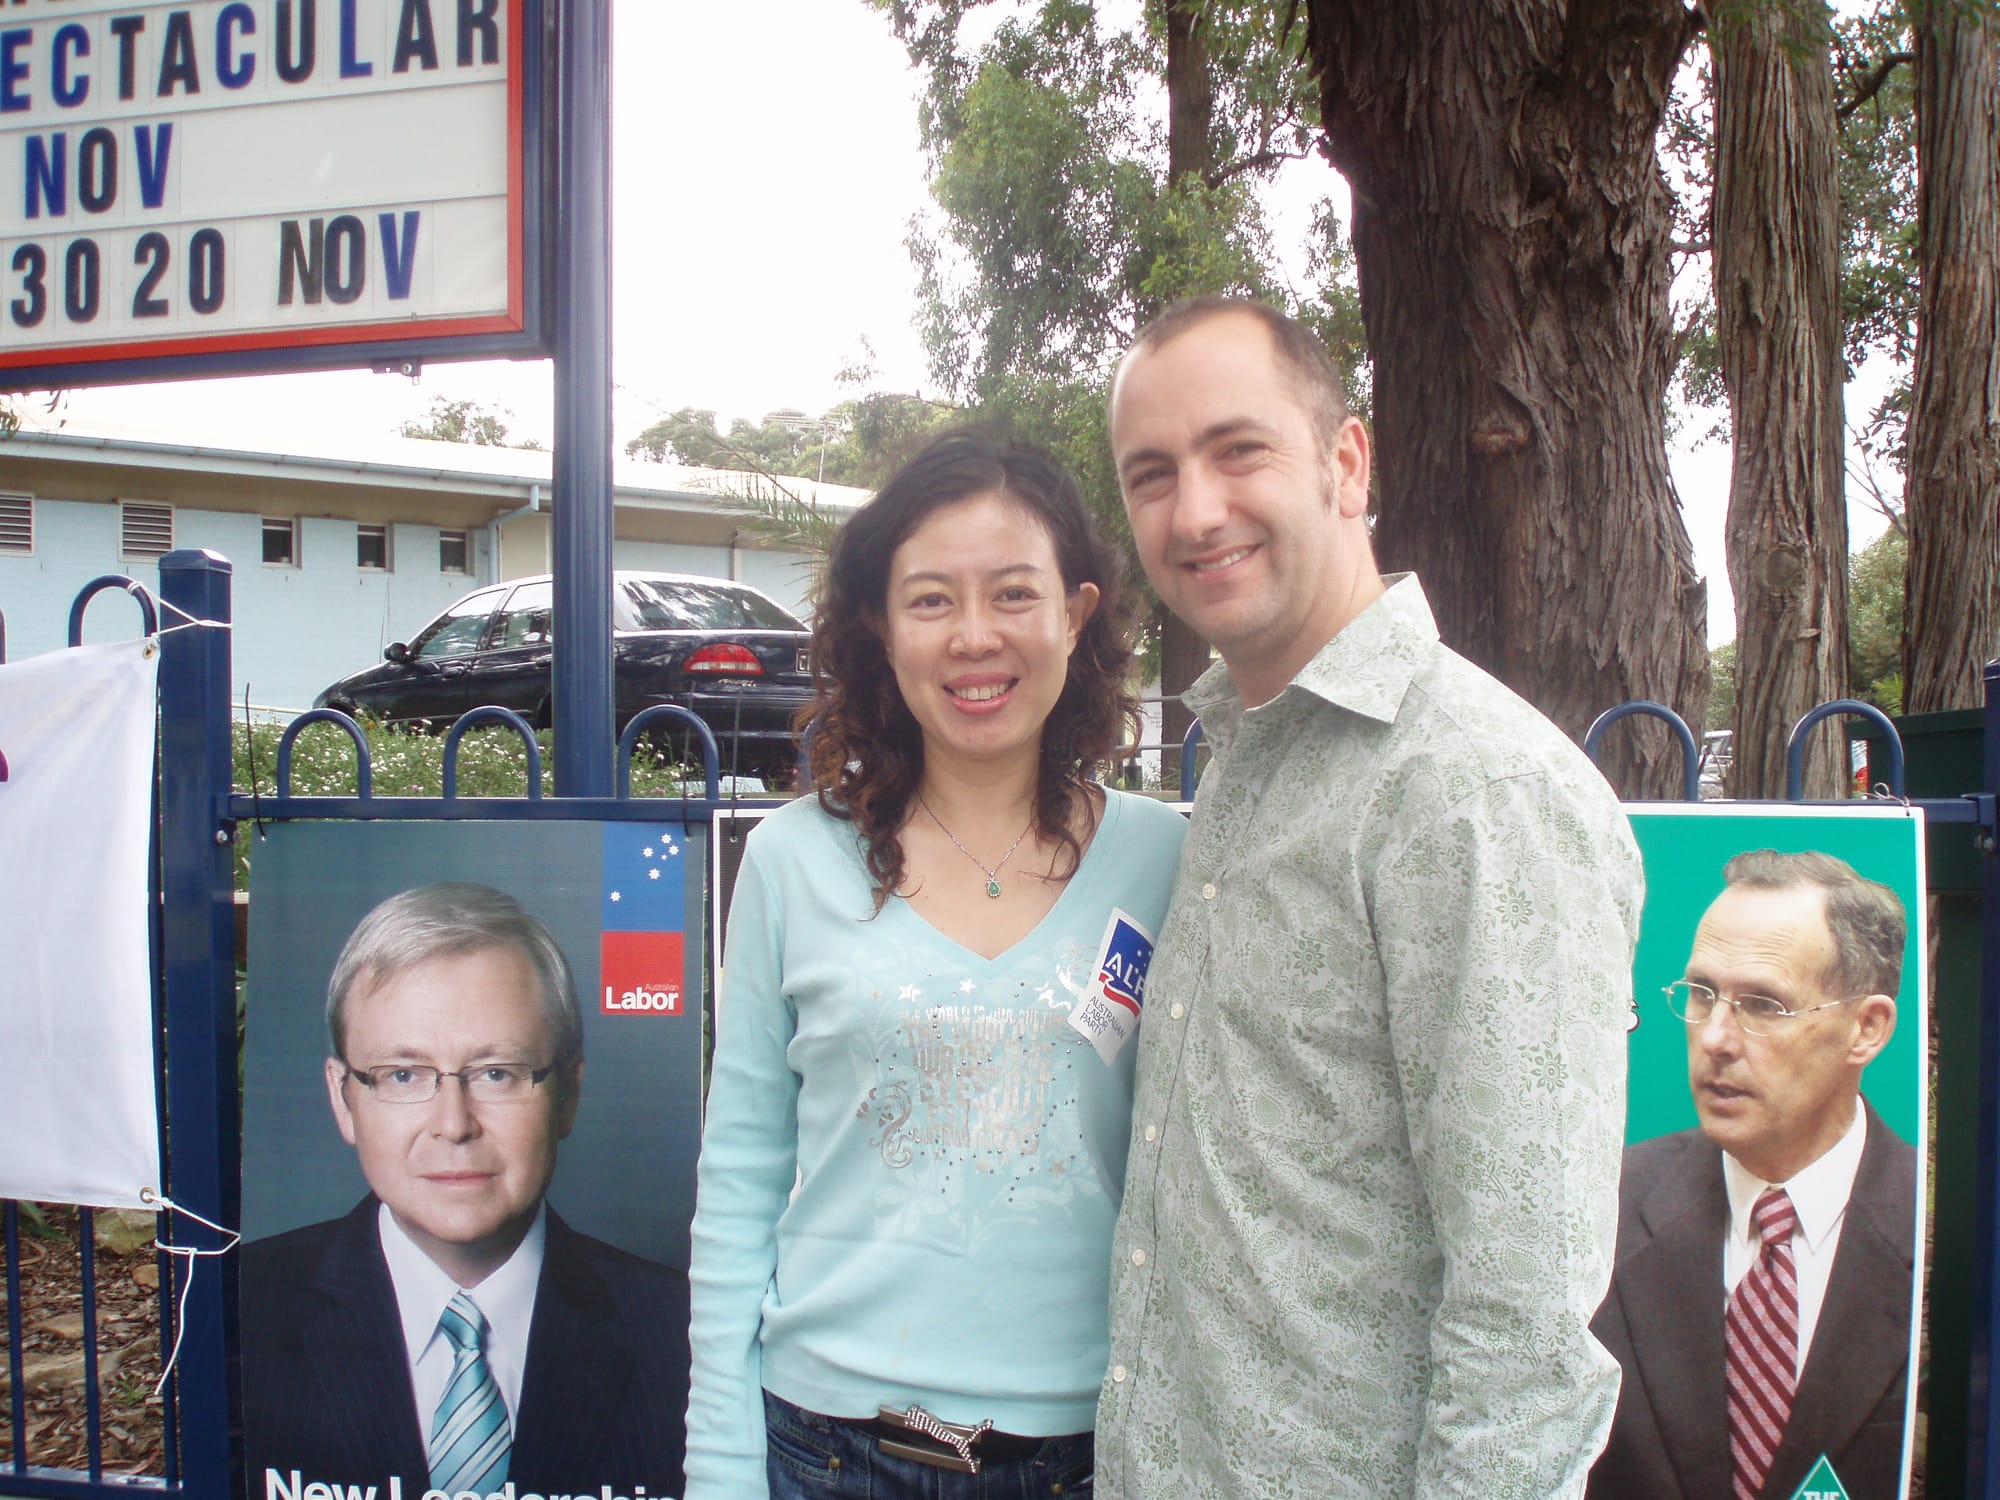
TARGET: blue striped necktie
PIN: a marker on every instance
(469, 1438)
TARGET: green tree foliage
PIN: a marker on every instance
(858, 442)
(1062, 224)
(1878, 182)
(465, 422)
(1721, 687)
(1875, 621)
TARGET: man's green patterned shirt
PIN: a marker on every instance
(1372, 1195)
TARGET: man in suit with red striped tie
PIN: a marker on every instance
(1760, 1305)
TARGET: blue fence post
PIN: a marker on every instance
(198, 967)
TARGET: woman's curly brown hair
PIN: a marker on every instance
(865, 749)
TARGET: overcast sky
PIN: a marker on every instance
(765, 170)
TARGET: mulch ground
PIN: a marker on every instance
(52, 1353)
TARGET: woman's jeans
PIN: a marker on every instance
(811, 1457)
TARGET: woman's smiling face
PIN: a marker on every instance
(978, 629)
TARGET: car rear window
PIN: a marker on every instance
(654, 604)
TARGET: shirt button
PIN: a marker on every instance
(1208, 891)
(1152, 1132)
(1176, 1010)
(1138, 1257)
(1117, 1374)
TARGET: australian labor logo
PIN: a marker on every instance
(642, 950)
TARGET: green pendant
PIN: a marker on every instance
(993, 886)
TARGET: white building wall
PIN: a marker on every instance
(296, 628)
(74, 543)
(785, 576)
(672, 557)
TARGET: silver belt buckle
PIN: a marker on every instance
(957, 1453)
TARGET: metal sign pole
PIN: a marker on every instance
(582, 695)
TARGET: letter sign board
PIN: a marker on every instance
(222, 186)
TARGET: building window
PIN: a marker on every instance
(454, 552)
(281, 541)
(145, 529)
(371, 548)
(17, 524)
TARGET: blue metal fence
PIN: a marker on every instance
(199, 816)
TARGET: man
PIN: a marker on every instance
(452, 1332)
(1381, 1082)
(1734, 1384)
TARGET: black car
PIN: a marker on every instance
(732, 655)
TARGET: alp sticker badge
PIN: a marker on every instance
(1107, 1011)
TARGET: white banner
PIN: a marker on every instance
(77, 1108)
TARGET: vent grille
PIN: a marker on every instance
(17, 523)
(145, 528)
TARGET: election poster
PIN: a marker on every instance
(471, 1118)
(1765, 1302)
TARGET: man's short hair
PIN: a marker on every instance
(443, 921)
(1865, 917)
(1318, 378)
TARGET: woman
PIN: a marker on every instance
(913, 960)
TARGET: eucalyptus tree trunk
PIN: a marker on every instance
(1952, 482)
(1777, 294)
(1511, 231)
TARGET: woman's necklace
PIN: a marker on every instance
(993, 874)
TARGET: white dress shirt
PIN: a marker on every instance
(1819, 1197)
(507, 1298)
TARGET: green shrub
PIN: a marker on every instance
(492, 762)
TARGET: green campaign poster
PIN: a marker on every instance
(1685, 846)
(1789, 1057)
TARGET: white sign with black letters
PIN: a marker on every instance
(248, 174)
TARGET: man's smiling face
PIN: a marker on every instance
(1249, 531)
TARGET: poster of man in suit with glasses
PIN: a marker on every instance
(1762, 1305)
(451, 1332)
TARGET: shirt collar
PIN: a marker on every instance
(1819, 1193)
(1366, 669)
(423, 1290)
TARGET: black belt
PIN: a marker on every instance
(894, 1435)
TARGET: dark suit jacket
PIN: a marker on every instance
(326, 1381)
(1663, 1321)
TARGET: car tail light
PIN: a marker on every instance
(724, 659)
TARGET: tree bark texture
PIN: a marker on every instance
(1952, 484)
(1184, 654)
(1777, 294)
(1511, 231)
